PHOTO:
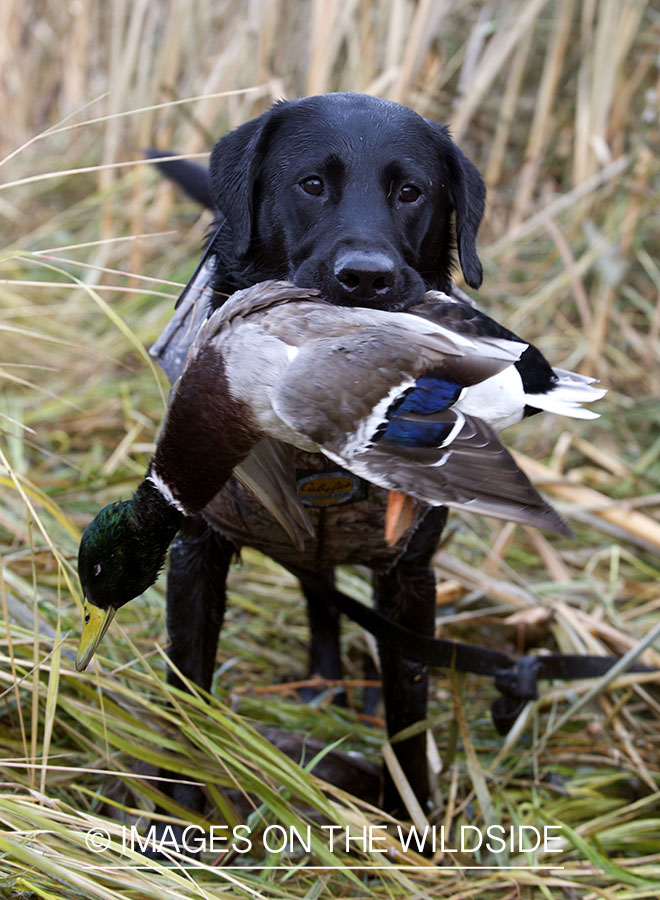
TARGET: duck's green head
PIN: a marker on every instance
(120, 556)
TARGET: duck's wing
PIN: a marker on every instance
(338, 390)
(473, 471)
(380, 404)
(270, 474)
(191, 310)
(296, 315)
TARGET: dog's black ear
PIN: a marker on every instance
(470, 202)
(235, 162)
(467, 193)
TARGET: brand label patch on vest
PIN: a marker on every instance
(329, 488)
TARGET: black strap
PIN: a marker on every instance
(515, 679)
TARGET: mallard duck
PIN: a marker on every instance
(405, 400)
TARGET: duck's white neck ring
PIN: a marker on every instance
(165, 491)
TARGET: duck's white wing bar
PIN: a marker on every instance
(356, 441)
(566, 397)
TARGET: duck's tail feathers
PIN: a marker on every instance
(567, 395)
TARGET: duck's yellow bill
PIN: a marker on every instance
(96, 622)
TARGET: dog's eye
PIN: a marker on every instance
(409, 193)
(312, 185)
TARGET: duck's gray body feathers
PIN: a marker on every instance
(375, 392)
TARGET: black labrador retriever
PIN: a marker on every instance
(367, 201)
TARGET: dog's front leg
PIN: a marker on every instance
(406, 593)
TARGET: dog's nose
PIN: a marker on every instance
(364, 274)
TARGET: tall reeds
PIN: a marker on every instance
(557, 102)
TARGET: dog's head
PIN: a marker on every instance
(354, 195)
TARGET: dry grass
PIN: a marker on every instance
(557, 102)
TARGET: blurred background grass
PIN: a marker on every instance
(557, 102)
